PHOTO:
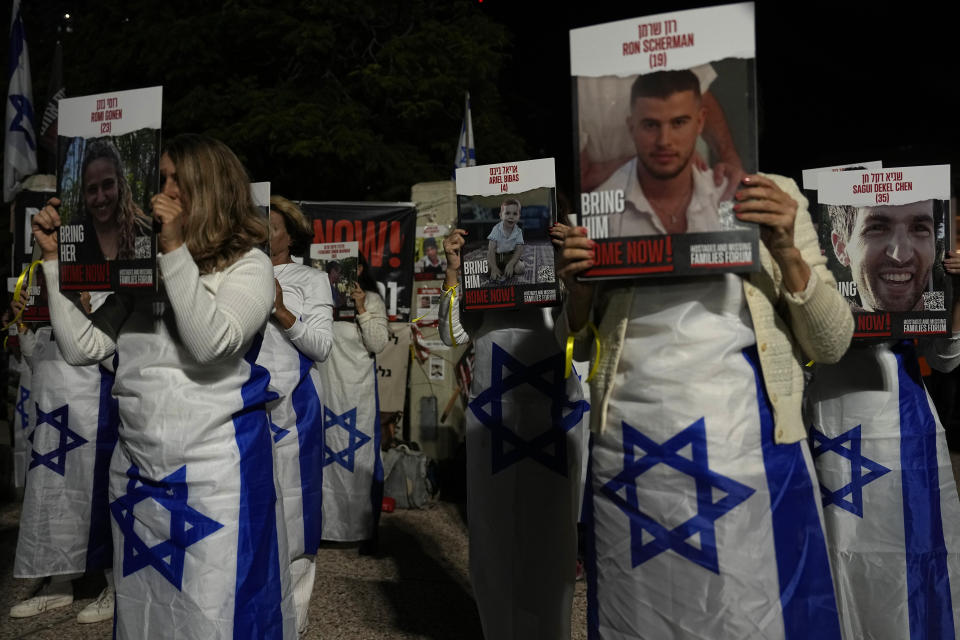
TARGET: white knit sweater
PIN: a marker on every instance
(814, 324)
(217, 313)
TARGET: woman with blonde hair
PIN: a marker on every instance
(199, 545)
(299, 334)
(107, 209)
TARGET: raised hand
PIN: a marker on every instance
(45, 225)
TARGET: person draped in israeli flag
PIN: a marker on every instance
(890, 500)
(65, 519)
(524, 430)
(200, 547)
(889, 494)
(352, 468)
(702, 503)
(22, 407)
(299, 334)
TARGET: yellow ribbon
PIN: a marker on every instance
(26, 274)
(453, 297)
(810, 364)
(568, 362)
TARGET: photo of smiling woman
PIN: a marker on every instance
(106, 208)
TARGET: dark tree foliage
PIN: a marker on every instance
(327, 99)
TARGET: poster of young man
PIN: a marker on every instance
(340, 261)
(885, 232)
(665, 122)
(810, 181)
(429, 261)
(109, 153)
(385, 233)
(507, 210)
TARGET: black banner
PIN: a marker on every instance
(386, 233)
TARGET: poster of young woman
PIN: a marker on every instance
(109, 153)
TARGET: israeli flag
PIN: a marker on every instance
(22, 420)
(20, 141)
(466, 155)
(701, 525)
(65, 520)
(890, 502)
(352, 468)
(525, 430)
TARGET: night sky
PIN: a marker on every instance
(837, 83)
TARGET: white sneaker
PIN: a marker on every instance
(50, 596)
(100, 609)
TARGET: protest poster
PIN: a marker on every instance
(430, 263)
(27, 204)
(107, 172)
(884, 233)
(428, 299)
(340, 261)
(810, 178)
(260, 192)
(665, 122)
(507, 209)
(385, 233)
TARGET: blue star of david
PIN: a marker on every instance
(348, 421)
(24, 112)
(22, 407)
(278, 431)
(858, 479)
(502, 438)
(707, 480)
(56, 459)
(187, 525)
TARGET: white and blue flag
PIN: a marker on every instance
(889, 498)
(466, 155)
(65, 521)
(20, 141)
(352, 467)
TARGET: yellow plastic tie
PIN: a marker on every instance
(26, 274)
(453, 296)
(568, 361)
(418, 319)
(810, 364)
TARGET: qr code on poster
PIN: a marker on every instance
(141, 247)
(933, 301)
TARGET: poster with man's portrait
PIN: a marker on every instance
(884, 233)
(507, 210)
(341, 262)
(665, 120)
(108, 171)
(429, 260)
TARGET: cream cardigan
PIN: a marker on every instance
(814, 324)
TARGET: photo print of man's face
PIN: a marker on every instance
(890, 251)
